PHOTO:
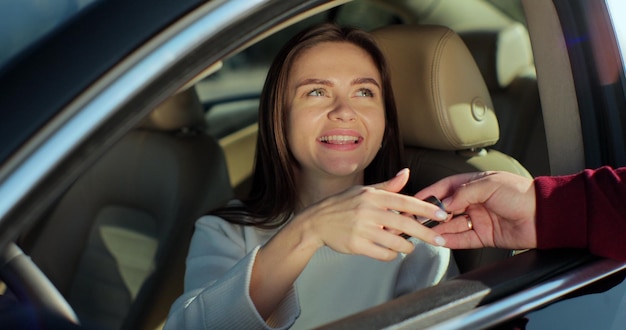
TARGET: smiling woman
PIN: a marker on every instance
(327, 128)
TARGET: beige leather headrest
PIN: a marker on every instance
(502, 55)
(181, 110)
(443, 102)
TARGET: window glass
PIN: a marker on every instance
(598, 306)
(617, 11)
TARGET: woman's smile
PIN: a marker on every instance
(340, 139)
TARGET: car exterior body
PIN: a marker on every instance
(75, 80)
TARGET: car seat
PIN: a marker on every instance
(447, 121)
(505, 59)
(116, 243)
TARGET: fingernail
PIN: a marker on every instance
(440, 241)
(402, 171)
(441, 215)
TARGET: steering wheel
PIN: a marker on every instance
(34, 291)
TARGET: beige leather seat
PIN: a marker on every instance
(115, 245)
(447, 119)
(505, 60)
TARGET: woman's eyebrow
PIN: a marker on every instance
(314, 81)
(325, 82)
(365, 80)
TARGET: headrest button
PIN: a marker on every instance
(478, 109)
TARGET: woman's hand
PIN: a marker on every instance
(500, 205)
(361, 220)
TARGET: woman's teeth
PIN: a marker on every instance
(339, 139)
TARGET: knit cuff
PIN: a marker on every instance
(561, 214)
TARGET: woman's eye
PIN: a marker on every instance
(365, 92)
(316, 92)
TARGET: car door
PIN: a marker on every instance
(80, 90)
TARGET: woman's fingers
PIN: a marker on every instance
(389, 198)
(397, 224)
(364, 199)
(394, 184)
(368, 238)
(380, 252)
(409, 205)
(391, 241)
(377, 214)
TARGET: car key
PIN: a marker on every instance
(426, 221)
(429, 222)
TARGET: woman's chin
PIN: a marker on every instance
(344, 169)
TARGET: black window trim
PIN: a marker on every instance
(602, 108)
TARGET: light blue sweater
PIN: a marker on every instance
(332, 286)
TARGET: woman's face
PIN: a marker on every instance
(336, 116)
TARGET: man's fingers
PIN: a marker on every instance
(445, 187)
(457, 224)
(459, 233)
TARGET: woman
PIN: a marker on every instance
(313, 244)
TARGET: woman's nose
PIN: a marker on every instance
(342, 110)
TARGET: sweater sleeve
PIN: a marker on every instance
(427, 265)
(584, 210)
(217, 281)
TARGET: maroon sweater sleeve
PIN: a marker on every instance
(584, 210)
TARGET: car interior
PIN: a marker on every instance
(467, 100)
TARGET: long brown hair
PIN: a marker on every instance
(273, 195)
